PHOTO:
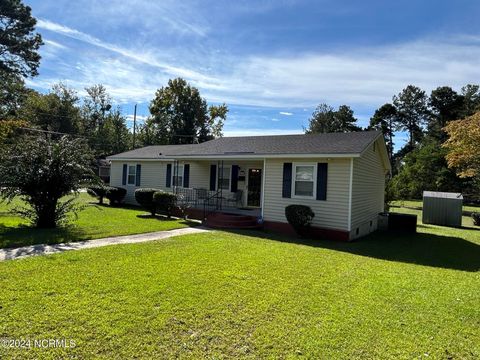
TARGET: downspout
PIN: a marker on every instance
(263, 185)
(350, 196)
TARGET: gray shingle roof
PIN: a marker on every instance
(332, 143)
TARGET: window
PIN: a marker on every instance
(224, 178)
(304, 180)
(132, 173)
(177, 175)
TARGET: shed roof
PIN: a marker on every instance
(443, 195)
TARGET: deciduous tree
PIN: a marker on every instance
(463, 145)
(181, 116)
(325, 119)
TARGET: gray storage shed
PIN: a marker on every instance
(442, 208)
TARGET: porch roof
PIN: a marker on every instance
(329, 145)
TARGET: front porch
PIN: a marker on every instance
(232, 187)
(207, 202)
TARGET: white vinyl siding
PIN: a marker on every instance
(153, 175)
(367, 191)
(331, 214)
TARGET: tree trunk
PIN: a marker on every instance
(46, 215)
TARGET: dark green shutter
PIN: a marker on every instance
(322, 177)
(168, 180)
(138, 175)
(124, 174)
(287, 180)
(186, 175)
(213, 177)
(234, 179)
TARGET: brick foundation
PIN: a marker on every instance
(314, 232)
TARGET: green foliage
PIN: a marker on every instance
(93, 222)
(300, 217)
(183, 205)
(10, 129)
(165, 202)
(19, 43)
(425, 168)
(446, 106)
(412, 111)
(181, 116)
(476, 218)
(56, 111)
(144, 197)
(41, 171)
(115, 195)
(327, 120)
(385, 119)
(98, 191)
(471, 100)
(12, 95)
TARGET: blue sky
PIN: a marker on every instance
(271, 62)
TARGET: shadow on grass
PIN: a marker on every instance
(22, 235)
(423, 249)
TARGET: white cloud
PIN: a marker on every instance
(275, 120)
(139, 56)
(360, 77)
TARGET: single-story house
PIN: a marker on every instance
(340, 176)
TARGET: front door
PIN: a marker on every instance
(254, 187)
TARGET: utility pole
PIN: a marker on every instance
(134, 124)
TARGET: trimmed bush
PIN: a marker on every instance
(115, 195)
(145, 198)
(165, 202)
(98, 191)
(476, 218)
(300, 217)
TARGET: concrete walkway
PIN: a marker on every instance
(43, 249)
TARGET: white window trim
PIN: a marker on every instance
(135, 174)
(173, 173)
(229, 167)
(294, 175)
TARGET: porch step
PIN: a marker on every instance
(232, 221)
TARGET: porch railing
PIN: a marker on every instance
(210, 200)
(212, 203)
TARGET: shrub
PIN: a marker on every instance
(183, 205)
(165, 202)
(115, 195)
(300, 217)
(98, 191)
(476, 218)
(41, 171)
(145, 198)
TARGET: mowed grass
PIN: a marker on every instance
(419, 204)
(252, 295)
(93, 222)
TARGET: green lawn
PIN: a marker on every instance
(93, 222)
(418, 204)
(252, 295)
